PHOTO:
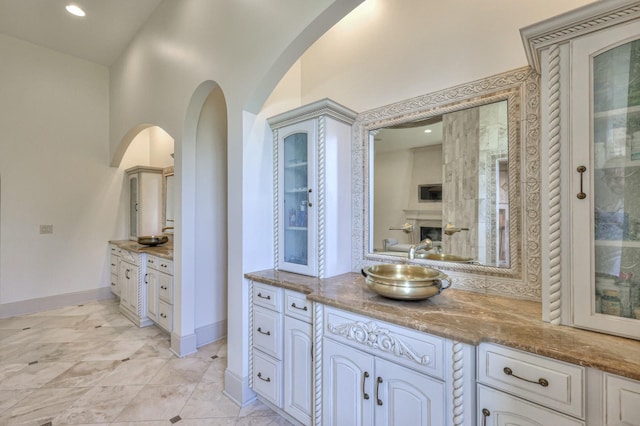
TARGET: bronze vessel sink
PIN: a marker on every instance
(152, 240)
(405, 282)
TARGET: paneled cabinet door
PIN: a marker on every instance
(496, 408)
(128, 285)
(347, 385)
(405, 397)
(298, 373)
(151, 281)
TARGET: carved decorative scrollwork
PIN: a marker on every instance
(382, 339)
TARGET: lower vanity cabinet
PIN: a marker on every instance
(376, 373)
(114, 268)
(132, 288)
(159, 283)
(362, 389)
(282, 346)
(520, 388)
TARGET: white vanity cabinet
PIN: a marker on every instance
(132, 287)
(159, 284)
(145, 201)
(516, 387)
(622, 402)
(115, 253)
(590, 109)
(312, 189)
(379, 373)
(281, 350)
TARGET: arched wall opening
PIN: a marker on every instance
(200, 258)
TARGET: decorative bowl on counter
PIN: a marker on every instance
(152, 240)
(405, 282)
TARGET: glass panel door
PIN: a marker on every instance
(616, 180)
(133, 206)
(296, 198)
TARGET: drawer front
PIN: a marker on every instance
(165, 315)
(555, 384)
(113, 263)
(115, 288)
(153, 262)
(267, 331)
(419, 351)
(165, 287)
(268, 296)
(623, 401)
(165, 265)
(296, 305)
(130, 257)
(115, 250)
(497, 408)
(267, 378)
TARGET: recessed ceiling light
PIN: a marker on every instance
(75, 10)
(428, 131)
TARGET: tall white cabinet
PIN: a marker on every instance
(312, 189)
(145, 201)
(589, 61)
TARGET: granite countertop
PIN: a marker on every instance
(472, 318)
(164, 251)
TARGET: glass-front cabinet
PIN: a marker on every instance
(312, 189)
(589, 63)
(297, 176)
(606, 159)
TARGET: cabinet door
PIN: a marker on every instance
(132, 287)
(347, 385)
(406, 397)
(298, 371)
(297, 194)
(151, 282)
(124, 281)
(605, 188)
(133, 206)
(500, 409)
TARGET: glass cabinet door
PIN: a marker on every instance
(297, 206)
(133, 206)
(605, 213)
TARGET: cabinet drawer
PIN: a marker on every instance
(419, 351)
(115, 289)
(267, 331)
(165, 315)
(267, 378)
(153, 262)
(114, 249)
(165, 265)
(296, 305)
(165, 287)
(549, 382)
(268, 296)
(113, 263)
(497, 408)
(623, 401)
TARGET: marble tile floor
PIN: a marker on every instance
(89, 365)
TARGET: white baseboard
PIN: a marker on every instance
(237, 389)
(210, 333)
(54, 302)
(183, 345)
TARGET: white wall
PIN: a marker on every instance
(54, 170)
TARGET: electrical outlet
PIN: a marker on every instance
(46, 229)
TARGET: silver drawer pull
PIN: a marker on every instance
(266, 333)
(163, 287)
(542, 382)
(304, 308)
(364, 379)
(268, 379)
(485, 413)
(163, 315)
(264, 297)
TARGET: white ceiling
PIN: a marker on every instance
(100, 37)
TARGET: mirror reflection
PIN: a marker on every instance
(444, 178)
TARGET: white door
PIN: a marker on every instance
(406, 397)
(500, 409)
(298, 371)
(347, 385)
(151, 282)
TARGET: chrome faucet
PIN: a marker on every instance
(164, 228)
(425, 244)
(450, 229)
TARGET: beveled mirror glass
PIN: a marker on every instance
(468, 193)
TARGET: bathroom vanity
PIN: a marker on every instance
(465, 358)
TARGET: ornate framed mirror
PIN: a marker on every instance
(471, 184)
